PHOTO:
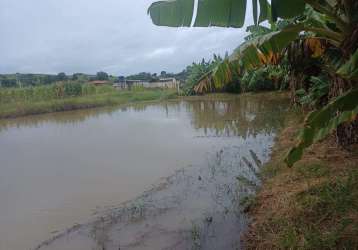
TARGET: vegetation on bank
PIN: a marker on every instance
(311, 48)
(311, 206)
(314, 42)
(16, 102)
(27, 80)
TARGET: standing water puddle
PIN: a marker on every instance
(62, 169)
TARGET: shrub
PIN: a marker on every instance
(72, 89)
(88, 89)
(47, 93)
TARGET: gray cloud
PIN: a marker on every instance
(117, 36)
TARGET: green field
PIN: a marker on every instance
(46, 99)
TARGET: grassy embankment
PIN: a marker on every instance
(313, 205)
(39, 100)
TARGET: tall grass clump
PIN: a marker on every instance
(16, 102)
(46, 93)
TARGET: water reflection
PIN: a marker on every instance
(215, 117)
(238, 116)
(69, 117)
(57, 168)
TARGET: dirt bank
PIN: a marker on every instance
(313, 205)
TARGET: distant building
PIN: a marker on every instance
(120, 83)
(98, 82)
(168, 83)
(129, 84)
(137, 83)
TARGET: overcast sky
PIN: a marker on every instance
(116, 36)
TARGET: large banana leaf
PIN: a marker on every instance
(204, 84)
(251, 54)
(223, 13)
(172, 13)
(255, 31)
(350, 69)
(319, 124)
(287, 8)
(230, 13)
(220, 76)
(225, 73)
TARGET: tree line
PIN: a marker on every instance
(27, 80)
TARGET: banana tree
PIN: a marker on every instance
(223, 13)
(334, 21)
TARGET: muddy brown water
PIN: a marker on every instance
(169, 175)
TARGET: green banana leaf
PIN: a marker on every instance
(350, 69)
(172, 13)
(223, 13)
(273, 42)
(247, 54)
(320, 123)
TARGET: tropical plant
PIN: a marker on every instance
(320, 123)
(328, 28)
(197, 71)
(102, 76)
(225, 13)
(317, 94)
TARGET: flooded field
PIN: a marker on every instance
(156, 176)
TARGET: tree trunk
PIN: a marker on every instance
(346, 133)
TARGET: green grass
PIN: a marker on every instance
(324, 216)
(195, 237)
(313, 205)
(22, 108)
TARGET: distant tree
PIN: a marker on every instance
(121, 78)
(76, 76)
(8, 83)
(48, 79)
(144, 76)
(102, 76)
(80, 77)
(163, 74)
(61, 76)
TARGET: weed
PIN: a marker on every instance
(195, 236)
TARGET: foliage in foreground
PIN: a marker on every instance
(322, 215)
(320, 123)
(311, 206)
(319, 39)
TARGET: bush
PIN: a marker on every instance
(104, 89)
(88, 89)
(72, 89)
(46, 93)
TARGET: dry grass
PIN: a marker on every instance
(313, 205)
